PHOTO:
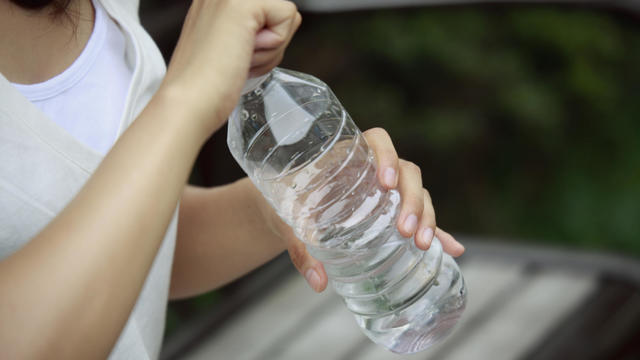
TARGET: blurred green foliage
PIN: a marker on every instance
(525, 120)
(179, 312)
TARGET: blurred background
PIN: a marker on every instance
(525, 118)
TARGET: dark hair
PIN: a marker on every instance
(57, 6)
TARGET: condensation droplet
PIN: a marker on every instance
(258, 91)
(254, 116)
(244, 115)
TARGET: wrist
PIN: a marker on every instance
(203, 117)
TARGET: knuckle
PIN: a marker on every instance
(411, 167)
(427, 199)
(430, 222)
(428, 213)
(429, 216)
(387, 154)
(415, 203)
(377, 131)
(292, 7)
(420, 203)
(426, 195)
(416, 169)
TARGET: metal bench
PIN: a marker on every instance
(524, 303)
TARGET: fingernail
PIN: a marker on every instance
(390, 177)
(410, 223)
(312, 278)
(427, 237)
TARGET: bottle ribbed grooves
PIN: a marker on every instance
(356, 302)
(376, 267)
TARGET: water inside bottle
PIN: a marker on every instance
(320, 176)
(336, 204)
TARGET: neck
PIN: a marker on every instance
(35, 46)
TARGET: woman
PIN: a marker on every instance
(93, 230)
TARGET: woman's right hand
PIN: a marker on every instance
(222, 42)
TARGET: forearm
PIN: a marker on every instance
(70, 290)
(223, 233)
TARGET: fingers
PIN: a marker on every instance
(270, 47)
(386, 156)
(426, 229)
(279, 17)
(217, 42)
(312, 269)
(417, 217)
(410, 187)
(449, 244)
(268, 39)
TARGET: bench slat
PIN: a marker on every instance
(530, 314)
(263, 324)
(485, 281)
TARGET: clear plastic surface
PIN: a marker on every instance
(301, 149)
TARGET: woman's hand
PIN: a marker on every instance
(221, 43)
(417, 217)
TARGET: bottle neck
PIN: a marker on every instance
(252, 83)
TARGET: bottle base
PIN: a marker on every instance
(429, 319)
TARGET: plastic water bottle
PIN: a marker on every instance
(301, 149)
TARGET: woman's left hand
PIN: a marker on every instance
(417, 218)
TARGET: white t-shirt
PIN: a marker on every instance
(88, 98)
(43, 166)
